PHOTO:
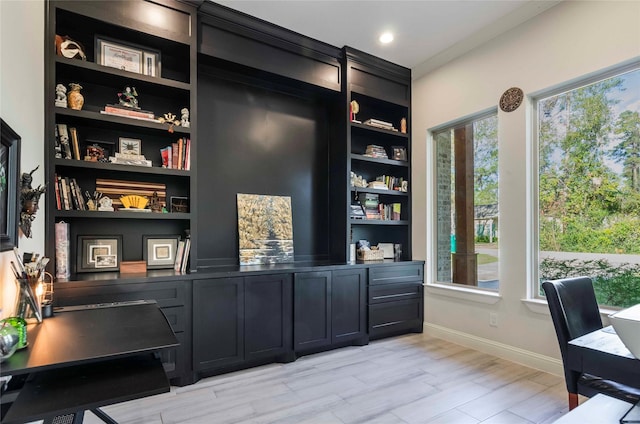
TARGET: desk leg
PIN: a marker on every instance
(104, 417)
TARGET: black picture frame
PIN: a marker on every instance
(9, 187)
(357, 211)
(147, 61)
(108, 147)
(159, 252)
(179, 204)
(99, 253)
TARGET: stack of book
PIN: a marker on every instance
(128, 112)
(380, 124)
(116, 189)
(374, 151)
(68, 194)
(182, 255)
(127, 159)
(390, 212)
(178, 155)
(370, 202)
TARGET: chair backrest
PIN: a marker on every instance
(574, 311)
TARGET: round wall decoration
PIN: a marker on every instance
(511, 99)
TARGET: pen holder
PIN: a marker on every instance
(27, 298)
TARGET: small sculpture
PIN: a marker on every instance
(105, 204)
(128, 98)
(61, 95)
(29, 198)
(154, 204)
(169, 118)
(185, 118)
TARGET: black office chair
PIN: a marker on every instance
(574, 311)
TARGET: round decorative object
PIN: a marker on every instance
(511, 99)
(9, 339)
(75, 98)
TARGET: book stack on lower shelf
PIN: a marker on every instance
(182, 255)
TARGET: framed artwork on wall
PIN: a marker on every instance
(9, 177)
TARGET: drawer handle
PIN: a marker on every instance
(395, 295)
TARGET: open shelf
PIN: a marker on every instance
(377, 222)
(364, 158)
(156, 170)
(113, 119)
(122, 215)
(379, 191)
(379, 130)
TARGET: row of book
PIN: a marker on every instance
(67, 145)
(373, 209)
(393, 183)
(178, 155)
(68, 194)
(182, 255)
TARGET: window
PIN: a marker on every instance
(589, 187)
(467, 203)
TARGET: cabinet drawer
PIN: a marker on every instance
(175, 317)
(395, 274)
(395, 317)
(391, 292)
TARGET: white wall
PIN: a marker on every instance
(22, 108)
(568, 41)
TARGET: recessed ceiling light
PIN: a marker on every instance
(386, 38)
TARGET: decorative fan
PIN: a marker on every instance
(134, 201)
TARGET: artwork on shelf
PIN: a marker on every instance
(160, 251)
(9, 175)
(399, 153)
(265, 229)
(99, 253)
(99, 151)
(127, 56)
(179, 204)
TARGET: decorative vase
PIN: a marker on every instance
(75, 99)
(8, 341)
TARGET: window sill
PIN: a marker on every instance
(473, 295)
(540, 306)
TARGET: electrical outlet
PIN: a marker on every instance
(493, 319)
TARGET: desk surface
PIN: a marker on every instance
(87, 335)
(600, 409)
(602, 353)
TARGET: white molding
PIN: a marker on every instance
(537, 306)
(473, 295)
(501, 350)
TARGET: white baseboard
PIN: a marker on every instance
(501, 350)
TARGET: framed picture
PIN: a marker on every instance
(357, 211)
(127, 56)
(130, 146)
(160, 251)
(99, 253)
(399, 153)
(9, 176)
(179, 204)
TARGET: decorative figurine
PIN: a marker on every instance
(69, 48)
(75, 99)
(403, 125)
(169, 118)
(61, 95)
(128, 98)
(355, 108)
(154, 204)
(105, 204)
(29, 198)
(185, 118)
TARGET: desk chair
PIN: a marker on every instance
(574, 311)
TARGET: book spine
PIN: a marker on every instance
(185, 256)
(63, 133)
(174, 159)
(179, 254)
(56, 189)
(125, 112)
(65, 193)
(76, 145)
(181, 153)
(63, 269)
(188, 165)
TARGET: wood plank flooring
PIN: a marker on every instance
(408, 379)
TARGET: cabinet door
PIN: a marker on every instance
(267, 316)
(218, 327)
(348, 305)
(312, 310)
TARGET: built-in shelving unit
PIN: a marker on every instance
(167, 89)
(382, 92)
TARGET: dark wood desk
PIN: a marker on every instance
(602, 353)
(84, 358)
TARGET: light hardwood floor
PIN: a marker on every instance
(407, 379)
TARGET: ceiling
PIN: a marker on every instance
(428, 33)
